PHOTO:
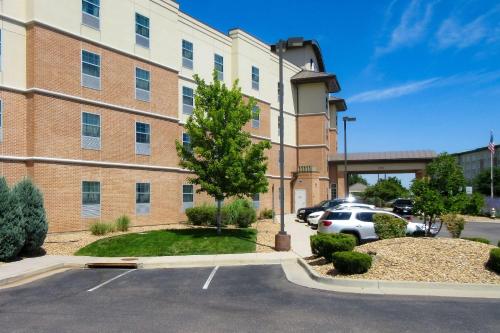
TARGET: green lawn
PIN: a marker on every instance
(173, 243)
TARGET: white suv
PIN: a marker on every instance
(359, 223)
(313, 218)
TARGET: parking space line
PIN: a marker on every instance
(110, 280)
(210, 277)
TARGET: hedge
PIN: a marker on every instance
(477, 239)
(348, 262)
(388, 226)
(325, 245)
(239, 212)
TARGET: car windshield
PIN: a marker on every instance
(322, 203)
(336, 216)
(404, 202)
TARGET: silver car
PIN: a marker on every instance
(359, 223)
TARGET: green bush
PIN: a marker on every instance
(266, 213)
(101, 228)
(474, 205)
(498, 244)
(30, 201)
(387, 226)
(494, 260)
(477, 239)
(454, 223)
(122, 223)
(202, 215)
(12, 234)
(314, 242)
(246, 217)
(234, 210)
(327, 244)
(348, 262)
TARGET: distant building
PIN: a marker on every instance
(357, 189)
(477, 160)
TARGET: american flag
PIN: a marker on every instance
(491, 145)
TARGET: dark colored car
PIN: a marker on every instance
(402, 206)
(303, 213)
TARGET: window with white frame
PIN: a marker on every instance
(91, 131)
(256, 201)
(186, 141)
(142, 30)
(255, 117)
(187, 54)
(219, 66)
(255, 78)
(90, 13)
(187, 100)
(187, 196)
(142, 138)
(91, 70)
(1, 120)
(91, 199)
(142, 198)
(142, 84)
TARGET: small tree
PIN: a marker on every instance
(446, 175)
(11, 224)
(30, 201)
(221, 155)
(386, 189)
(428, 202)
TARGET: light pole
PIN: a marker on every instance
(346, 181)
(282, 241)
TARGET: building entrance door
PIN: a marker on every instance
(300, 199)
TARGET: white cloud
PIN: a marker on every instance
(411, 28)
(472, 78)
(455, 34)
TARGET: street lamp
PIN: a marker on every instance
(346, 181)
(282, 241)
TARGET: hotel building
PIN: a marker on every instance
(94, 94)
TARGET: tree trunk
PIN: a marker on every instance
(219, 217)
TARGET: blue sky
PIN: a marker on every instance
(417, 74)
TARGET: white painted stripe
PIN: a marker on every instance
(210, 277)
(111, 280)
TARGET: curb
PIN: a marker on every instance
(442, 289)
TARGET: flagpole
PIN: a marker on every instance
(491, 172)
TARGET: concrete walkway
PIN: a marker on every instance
(300, 233)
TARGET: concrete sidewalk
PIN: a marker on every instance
(300, 233)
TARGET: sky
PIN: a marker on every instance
(416, 74)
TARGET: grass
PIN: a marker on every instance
(173, 243)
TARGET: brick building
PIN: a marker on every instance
(94, 94)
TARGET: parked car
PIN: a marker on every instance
(303, 213)
(402, 206)
(313, 218)
(359, 223)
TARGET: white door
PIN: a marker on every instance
(300, 199)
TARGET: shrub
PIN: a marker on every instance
(202, 215)
(314, 242)
(454, 223)
(101, 228)
(494, 260)
(387, 226)
(246, 217)
(266, 213)
(474, 205)
(348, 262)
(327, 244)
(477, 239)
(234, 210)
(498, 244)
(122, 223)
(12, 234)
(30, 201)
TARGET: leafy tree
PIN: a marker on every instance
(446, 175)
(11, 224)
(386, 189)
(482, 182)
(31, 204)
(221, 154)
(428, 201)
(354, 178)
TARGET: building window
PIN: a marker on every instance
(142, 30)
(187, 54)
(186, 141)
(142, 139)
(256, 201)
(91, 70)
(1, 120)
(142, 198)
(187, 100)
(219, 66)
(91, 199)
(1, 50)
(333, 190)
(91, 131)
(255, 78)
(142, 84)
(187, 196)
(90, 13)
(255, 117)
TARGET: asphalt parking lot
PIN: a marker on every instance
(227, 299)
